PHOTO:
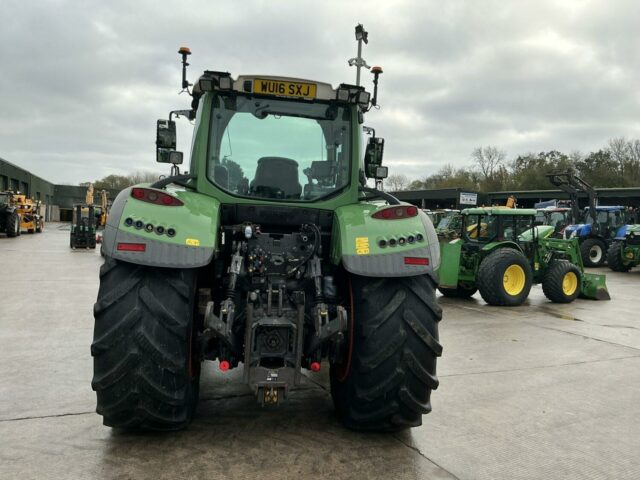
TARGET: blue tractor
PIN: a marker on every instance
(597, 232)
(600, 224)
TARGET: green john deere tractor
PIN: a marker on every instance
(271, 256)
(624, 252)
(501, 253)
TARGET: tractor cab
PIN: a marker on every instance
(608, 219)
(557, 217)
(481, 226)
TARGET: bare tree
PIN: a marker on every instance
(488, 160)
(397, 182)
(621, 151)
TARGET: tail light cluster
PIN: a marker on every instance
(396, 212)
(154, 196)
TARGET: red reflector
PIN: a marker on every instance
(315, 366)
(416, 261)
(137, 193)
(132, 247)
(395, 212)
(224, 365)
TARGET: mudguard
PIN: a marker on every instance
(356, 243)
(132, 221)
(450, 266)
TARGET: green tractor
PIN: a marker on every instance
(501, 253)
(624, 252)
(270, 256)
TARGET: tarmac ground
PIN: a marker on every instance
(542, 391)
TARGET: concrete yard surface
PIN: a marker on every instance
(542, 391)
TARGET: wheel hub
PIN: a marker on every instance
(569, 283)
(513, 280)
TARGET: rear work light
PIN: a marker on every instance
(416, 261)
(132, 247)
(155, 196)
(396, 212)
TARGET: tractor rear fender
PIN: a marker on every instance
(374, 247)
(139, 231)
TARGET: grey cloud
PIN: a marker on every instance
(82, 83)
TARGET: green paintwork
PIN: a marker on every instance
(541, 231)
(594, 287)
(499, 211)
(353, 222)
(631, 253)
(450, 263)
(197, 221)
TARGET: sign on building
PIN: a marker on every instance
(468, 198)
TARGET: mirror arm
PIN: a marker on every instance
(379, 193)
(177, 179)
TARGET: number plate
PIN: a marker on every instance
(284, 89)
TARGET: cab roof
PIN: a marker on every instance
(282, 87)
(499, 211)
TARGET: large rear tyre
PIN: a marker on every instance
(13, 225)
(460, 292)
(505, 277)
(561, 283)
(614, 258)
(386, 382)
(593, 252)
(145, 370)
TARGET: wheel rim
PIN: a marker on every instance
(569, 283)
(595, 253)
(513, 280)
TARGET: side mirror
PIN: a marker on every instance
(373, 159)
(166, 142)
(166, 134)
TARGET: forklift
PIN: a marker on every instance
(83, 227)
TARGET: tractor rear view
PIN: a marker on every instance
(502, 253)
(271, 256)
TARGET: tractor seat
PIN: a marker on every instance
(276, 177)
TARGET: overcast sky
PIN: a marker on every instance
(82, 83)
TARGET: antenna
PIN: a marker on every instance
(185, 52)
(361, 36)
